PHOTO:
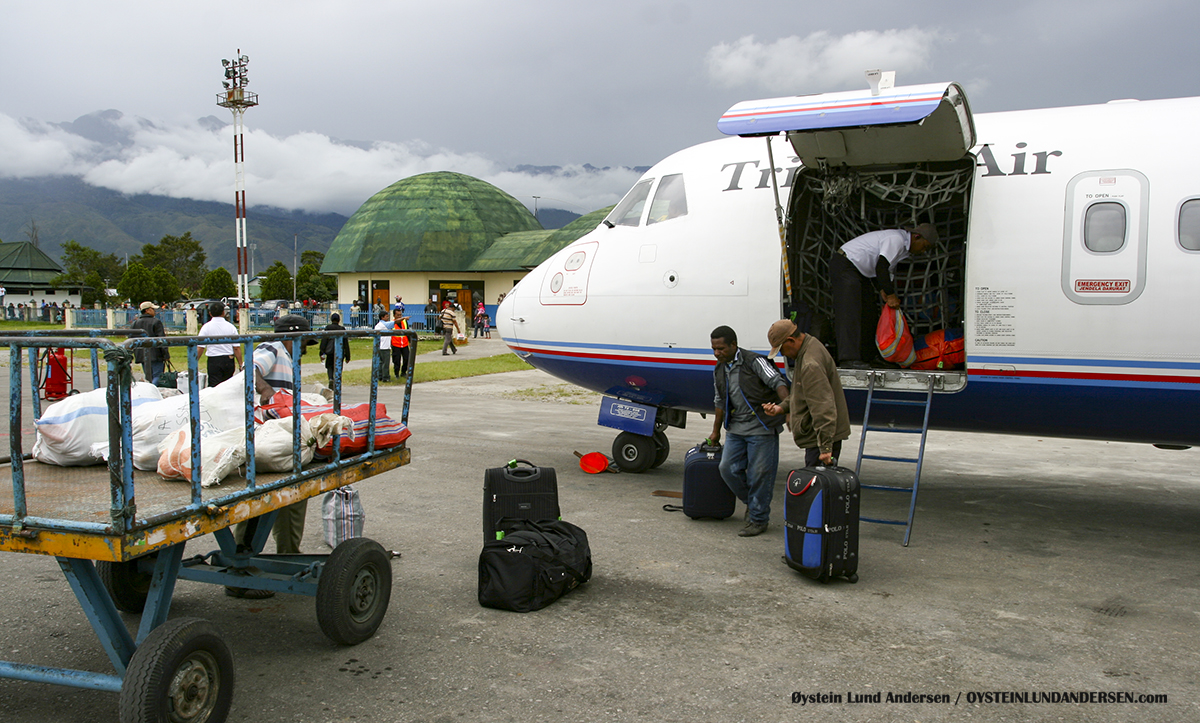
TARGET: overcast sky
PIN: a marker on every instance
(480, 87)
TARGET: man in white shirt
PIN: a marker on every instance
(383, 349)
(859, 267)
(223, 359)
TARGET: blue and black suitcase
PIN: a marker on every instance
(705, 493)
(820, 533)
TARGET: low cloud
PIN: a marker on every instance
(304, 171)
(819, 62)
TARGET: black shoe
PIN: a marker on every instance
(753, 528)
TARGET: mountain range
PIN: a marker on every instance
(63, 208)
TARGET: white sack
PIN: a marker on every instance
(69, 429)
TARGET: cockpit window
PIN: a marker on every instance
(629, 211)
(670, 201)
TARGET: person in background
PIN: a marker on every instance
(449, 329)
(223, 359)
(384, 348)
(400, 347)
(328, 348)
(480, 315)
(152, 358)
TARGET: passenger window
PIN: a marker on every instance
(1189, 225)
(670, 201)
(1104, 227)
(629, 211)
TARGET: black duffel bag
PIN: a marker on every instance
(535, 564)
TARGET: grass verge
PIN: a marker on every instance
(438, 371)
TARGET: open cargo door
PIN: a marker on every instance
(891, 160)
(910, 124)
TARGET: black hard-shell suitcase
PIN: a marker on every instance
(705, 493)
(821, 523)
(518, 492)
(535, 564)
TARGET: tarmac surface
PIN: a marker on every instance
(1038, 568)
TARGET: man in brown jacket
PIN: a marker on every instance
(817, 406)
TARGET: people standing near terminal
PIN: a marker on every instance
(480, 315)
(744, 382)
(858, 267)
(398, 308)
(152, 359)
(818, 417)
(449, 329)
(328, 348)
(384, 348)
(223, 359)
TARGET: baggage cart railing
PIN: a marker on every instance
(118, 357)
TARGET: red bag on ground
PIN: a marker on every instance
(388, 431)
(942, 349)
(892, 338)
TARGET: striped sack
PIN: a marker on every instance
(893, 339)
(342, 514)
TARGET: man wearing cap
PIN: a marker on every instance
(223, 359)
(744, 381)
(816, 407)
(860, 265)
(152, 359)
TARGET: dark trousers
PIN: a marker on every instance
(854, 310)
(400, 361)
(220, 368)
(812, 455)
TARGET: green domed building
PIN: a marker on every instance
(438, 236)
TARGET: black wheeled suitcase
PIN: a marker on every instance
(705, 493)
(820, 534)
(519, 490)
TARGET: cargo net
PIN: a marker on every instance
(831, 207)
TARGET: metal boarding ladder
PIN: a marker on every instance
(918, 460)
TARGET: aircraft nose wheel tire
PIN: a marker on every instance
(633, 452)
(182, 673)
(354, 591)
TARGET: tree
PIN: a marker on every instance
(316, 258)
(181, 256)
(311, 285)
(137, 284)
(168, 285)
(278, 282)
(92, 270)
(218, 284)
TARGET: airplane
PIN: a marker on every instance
(1070, 254)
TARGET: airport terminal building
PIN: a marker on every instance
(439, 236)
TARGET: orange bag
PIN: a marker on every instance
(893, 339)
(942, 349)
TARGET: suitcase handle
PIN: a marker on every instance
(521, 474)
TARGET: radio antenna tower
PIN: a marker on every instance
(236, 99)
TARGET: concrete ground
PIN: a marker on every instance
(1038, 567)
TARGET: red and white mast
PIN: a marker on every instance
(237, 99)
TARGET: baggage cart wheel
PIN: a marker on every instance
(181, 673)
(662, 448)
(126, 585)
(354, 590)
(633, 452)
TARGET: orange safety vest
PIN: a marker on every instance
(400, 342)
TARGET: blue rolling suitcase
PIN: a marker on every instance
(705, 493)
(821, 523)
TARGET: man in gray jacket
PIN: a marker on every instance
(816, 407)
